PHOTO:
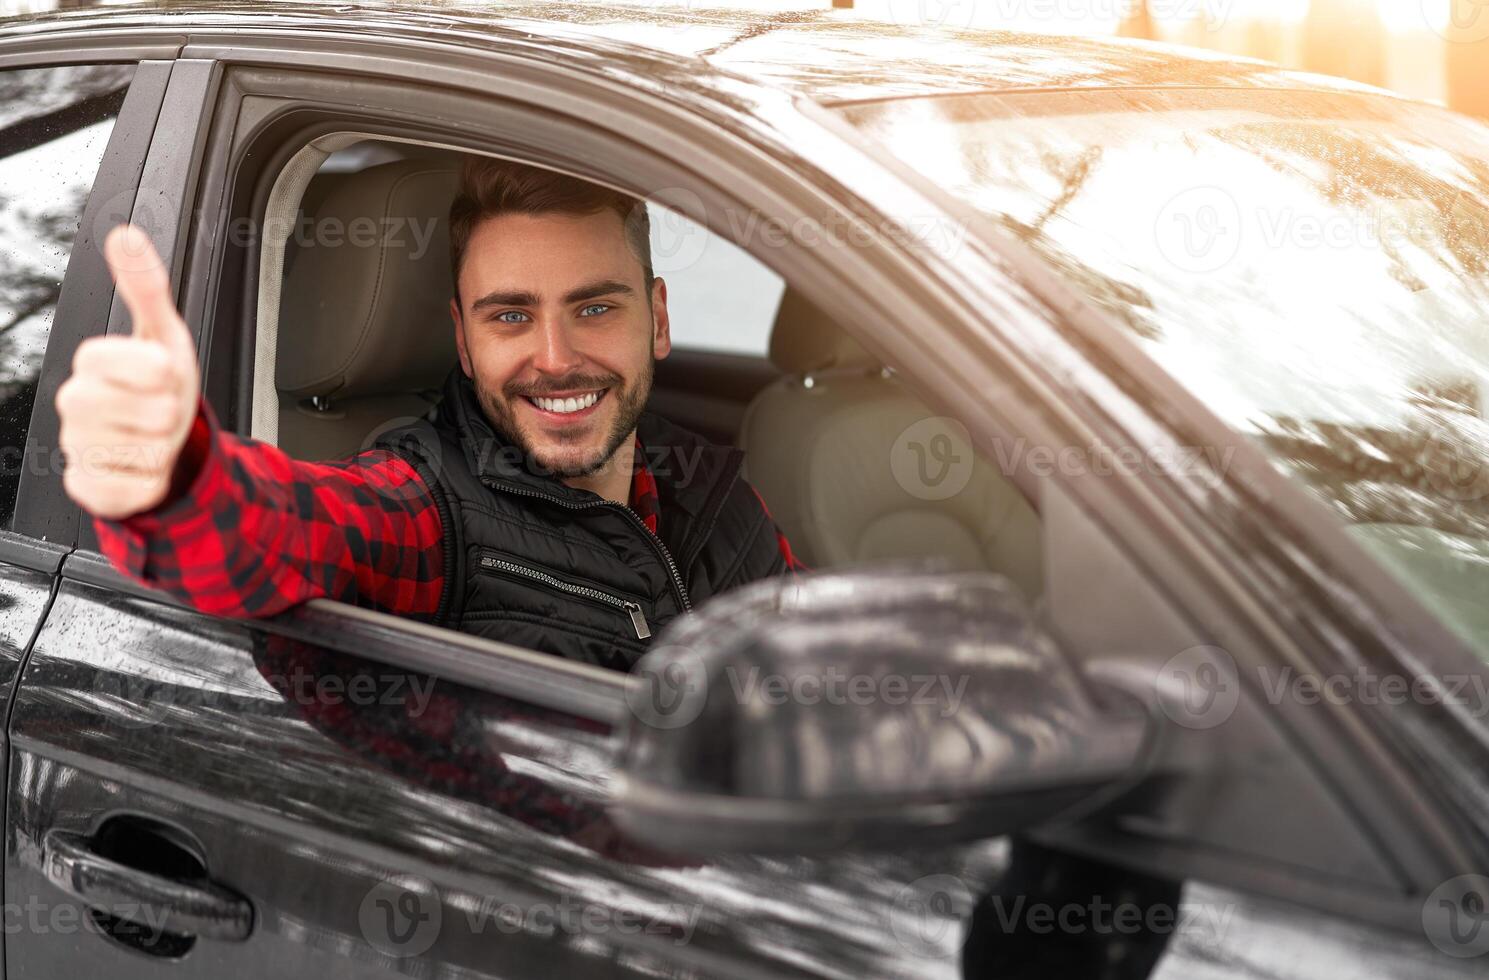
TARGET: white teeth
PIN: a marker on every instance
(566, 405)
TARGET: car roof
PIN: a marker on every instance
(824, 54)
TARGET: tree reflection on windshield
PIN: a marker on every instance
(1314, 266)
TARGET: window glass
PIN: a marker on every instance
(54, 126)
(719, 297)
(1315, 267)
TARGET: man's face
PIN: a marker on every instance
(555, 329)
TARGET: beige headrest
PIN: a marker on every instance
(367, 296)
(805, 340)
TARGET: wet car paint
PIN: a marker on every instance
(826, 55)
(130, 706)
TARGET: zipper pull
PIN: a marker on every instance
(638, 620)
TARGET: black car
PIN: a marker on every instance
(1130, 404)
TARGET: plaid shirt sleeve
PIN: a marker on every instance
(246, 531)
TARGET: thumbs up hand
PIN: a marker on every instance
(130, 403)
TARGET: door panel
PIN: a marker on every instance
(423, 828)
(26, 576)
(309, 802)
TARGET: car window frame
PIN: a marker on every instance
(43, 511)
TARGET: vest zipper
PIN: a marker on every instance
(635, 518)
(632, 609)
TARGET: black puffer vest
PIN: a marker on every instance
(534, 562)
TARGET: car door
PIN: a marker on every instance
(345, 794)
(57, 129)
(342, 793)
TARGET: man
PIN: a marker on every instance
(538, 504)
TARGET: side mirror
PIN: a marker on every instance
(854, 709)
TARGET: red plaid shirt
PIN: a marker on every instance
(246, 531)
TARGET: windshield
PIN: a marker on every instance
(1314, 266)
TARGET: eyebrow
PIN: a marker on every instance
(603, 287)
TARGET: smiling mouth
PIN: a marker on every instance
(566, 404)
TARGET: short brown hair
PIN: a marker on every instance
(490, 187)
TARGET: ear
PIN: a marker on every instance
(661, 325)
(460, 338)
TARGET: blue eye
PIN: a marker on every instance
(602, 307)
(503, 316)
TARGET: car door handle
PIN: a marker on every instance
(200, 908)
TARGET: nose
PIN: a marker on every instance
(556, 353)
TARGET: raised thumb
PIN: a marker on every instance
(143, 283)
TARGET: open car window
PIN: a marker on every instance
(722, 299)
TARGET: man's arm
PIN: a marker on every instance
(247, 531)
(228, 525)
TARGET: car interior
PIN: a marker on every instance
(359, 338)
